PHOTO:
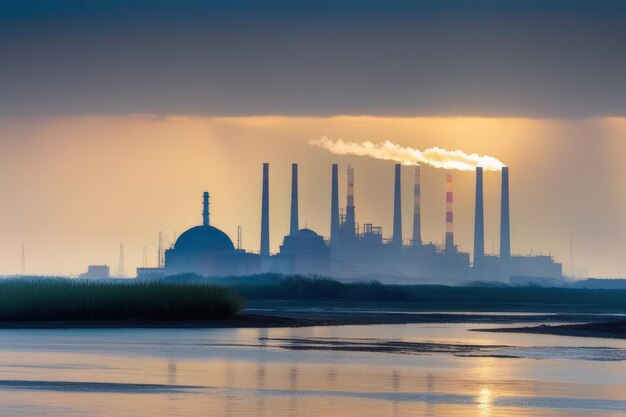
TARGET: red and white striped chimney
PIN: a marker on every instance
(350, 222)
(449, 217)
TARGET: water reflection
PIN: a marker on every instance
(263, 336)
(395, 384)
(484, 402)
(430, 388)
(331, 377)
(231, 381)
(241, 379)
(293, 385)
(171, 372)
(260, 384)
(487, 371)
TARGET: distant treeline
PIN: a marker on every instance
(80, 300)
(191, 297)
(477, 296)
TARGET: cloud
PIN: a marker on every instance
(559, 58)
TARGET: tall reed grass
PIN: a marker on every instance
(73, 300)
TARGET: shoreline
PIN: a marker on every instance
(285, 319)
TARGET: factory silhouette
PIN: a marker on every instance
(354, 252)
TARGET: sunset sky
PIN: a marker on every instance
(116, 115)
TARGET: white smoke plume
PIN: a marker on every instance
(435, 157)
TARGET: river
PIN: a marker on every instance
(291, 372)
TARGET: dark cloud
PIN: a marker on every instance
(525, 58)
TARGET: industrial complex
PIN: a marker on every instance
(353, 252)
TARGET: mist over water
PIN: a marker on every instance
(154, 170)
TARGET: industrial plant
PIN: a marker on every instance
(353, 252)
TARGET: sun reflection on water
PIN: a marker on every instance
(485, 399)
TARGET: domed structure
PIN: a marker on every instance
(307, 233)
(204, 239)
(307, 252)
(206, 250)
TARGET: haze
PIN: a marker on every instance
(115, 116)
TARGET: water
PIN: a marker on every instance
(255, 372)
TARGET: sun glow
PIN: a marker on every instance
(485, 400)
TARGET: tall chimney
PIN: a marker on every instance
(293, 226)
(205, 208)
(397, 210)
(505, 228)
(350, 225)
(449, 218)
(334, 207)
(265, 212)
(417, 226)
(479, 224)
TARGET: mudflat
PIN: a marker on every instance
(606, 329)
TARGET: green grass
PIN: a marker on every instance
(69, 300)
(191, 297)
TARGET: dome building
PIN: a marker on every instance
(307, 252)
(206, 250)
(206, 239)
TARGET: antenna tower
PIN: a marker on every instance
(120, 266)
(23, 270)
(160, 252)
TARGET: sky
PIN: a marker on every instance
(116, 115)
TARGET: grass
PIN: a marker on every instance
(321, 291)
(71, 300)
(303, 288)
(190, 297)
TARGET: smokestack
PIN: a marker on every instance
(293, 226)
(350, 225)
(265, 212)
(205, 209)
(505, 228)
(334, 207)
(397, 211)
(449, 218)
(479, 224)
(417, 226)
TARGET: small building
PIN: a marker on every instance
(97, 272)
(535, 266)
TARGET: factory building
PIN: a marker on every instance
(540, 266)
(366, 253)
(359, 252)
(97, 272)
